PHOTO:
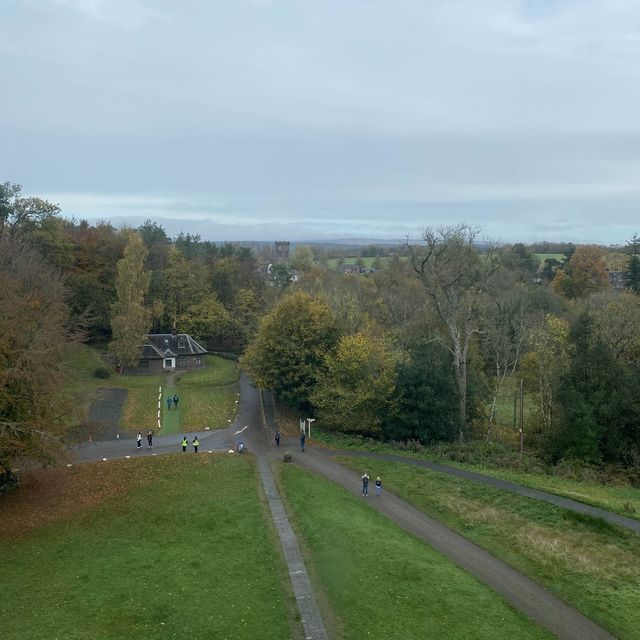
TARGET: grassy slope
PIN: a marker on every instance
(164, 560)
(592, 565)
(617, 498)
(383, 583)
(207, 396)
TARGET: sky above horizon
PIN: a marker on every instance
(321, 119)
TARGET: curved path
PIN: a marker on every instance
(559, 501)
(540, 605)
(521, 592)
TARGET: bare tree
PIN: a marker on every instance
(455, 276)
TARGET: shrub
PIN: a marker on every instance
(101, 372)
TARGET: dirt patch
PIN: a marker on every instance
(48, 495)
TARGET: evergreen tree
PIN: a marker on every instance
(425, 408)
(598, 418)
(633, 249)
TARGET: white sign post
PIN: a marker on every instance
(310, 420)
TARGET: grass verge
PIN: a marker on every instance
(589, 563)
(383, 583)
(141, 551)
(496, 461)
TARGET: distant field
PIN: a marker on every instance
(141, 551)
(368, 262)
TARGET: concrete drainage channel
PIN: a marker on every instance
(312, 623)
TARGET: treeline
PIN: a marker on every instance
(420, 350)
(424, 349)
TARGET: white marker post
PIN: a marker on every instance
(310, 420)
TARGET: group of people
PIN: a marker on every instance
(365, 485)
(185, 443)
(149, 439)
(172, 401)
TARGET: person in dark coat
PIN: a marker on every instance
(175, 401)
(150, 439)
(277, 438)
(302, 439)
(365, 484)
(378, 486)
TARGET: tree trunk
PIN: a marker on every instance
(460, 369)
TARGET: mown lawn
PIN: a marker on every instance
(207, 396)
(618, 498)
(166, 547)
(380, 582)
(592, 565)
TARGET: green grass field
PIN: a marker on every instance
(380, 582)
(547, 256)
(368, 261)
(159, 555)
(207, 396)
(592, 565)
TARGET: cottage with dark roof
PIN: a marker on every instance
(166, 352)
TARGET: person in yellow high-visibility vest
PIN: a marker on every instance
(184, 443)
(196, 444)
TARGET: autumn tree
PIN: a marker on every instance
(290, 347)
(355, 386)
(584, 273)
(206, 319)
(34, 334)
(456, 278)
(302, 259)
(130, 319)
(545, 363)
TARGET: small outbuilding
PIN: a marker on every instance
(166, 352)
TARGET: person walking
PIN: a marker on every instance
(139, 439)
(150, 439)
(196, 444)
(184, 443)
(169, 403)
(365, 484)
(277, 438)
(302, 439)
(175, 401)
(378, 486)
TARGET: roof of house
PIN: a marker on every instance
(169, 345)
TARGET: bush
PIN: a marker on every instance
(101, 372)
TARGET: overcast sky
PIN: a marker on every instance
(311, 119)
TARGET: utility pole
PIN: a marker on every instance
(521, 416)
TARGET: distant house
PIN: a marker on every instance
(166, 352)
(618, 279)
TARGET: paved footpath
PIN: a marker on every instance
(540, 605)
(505, 485)
(248, 427)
